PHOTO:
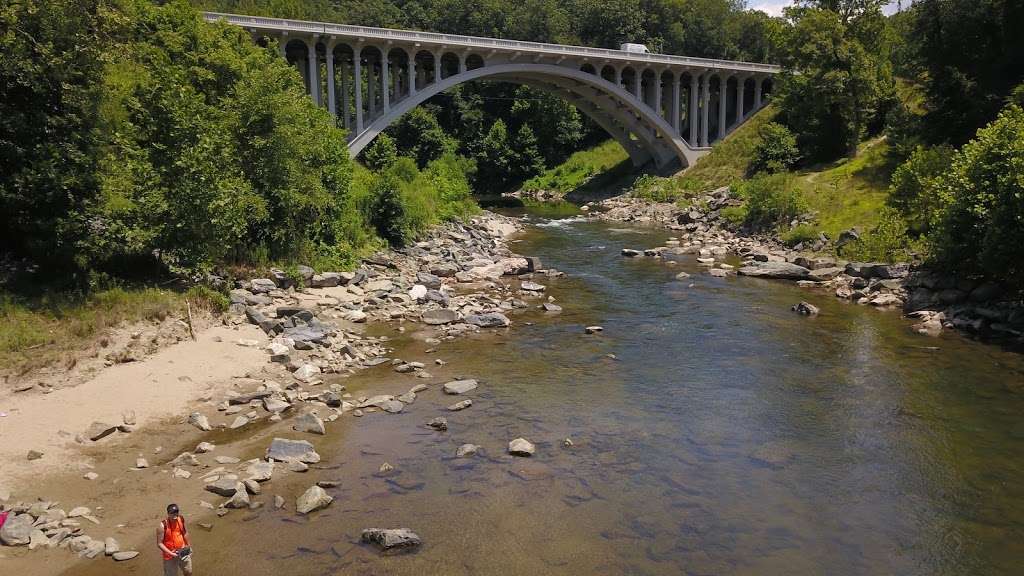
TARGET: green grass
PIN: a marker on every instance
(586, 169)
(46, 329)
(850, 191)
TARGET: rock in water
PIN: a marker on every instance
(459, 386)
(805, 308)
(440, 316)
(466, 450)
(309, 422)
(521, 447)
(17, 530)
(284, 450)
(440, 423)
(593, 329)
(111, 546)
(461, 405)
(392, 539)
(532, 287)
(630, 253)
(125, 556)
(313, 499)
(488, 320)
(780, 270)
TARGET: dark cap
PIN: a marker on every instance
(172, 508)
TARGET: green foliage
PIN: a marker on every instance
(381, 154)
(387, 211)
(981, 229)
(580, 169)
(735, 216)
(207, 298)
(886, 242)
(420, 136)
(658, 189)
(771, 200)
(915, 186)
(528, 160)
(837, 81)
(802, 233)
(730, 160)
(776, 151)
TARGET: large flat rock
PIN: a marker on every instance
(778, 270)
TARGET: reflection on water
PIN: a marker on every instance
(714, 432)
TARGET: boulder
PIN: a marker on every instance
(823, 274)
(778, 270)
(260, 471)
(805, 308)
(466, 450)
(460, 405)
(532, 287)
(488, 320)
(275, 405)
(429, 280)
(17, 530)
(99, 430)
(111, 546)
(125, 556)
(549, 307)
(459, 386)
(262, 285)
(204, 447)
(285, 450)
(199, 421)
(440, 423)
(862, 269)
(325, 280)
(392, 539)
(224, 487)
(313, 499)
(444, 269)
(307, 373)
(630, 253)
(440, 316)
(521, 447)
(240, 499)
(309, 422)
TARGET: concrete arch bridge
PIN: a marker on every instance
(660, 108)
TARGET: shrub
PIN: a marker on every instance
(771, 200)
(886, 242)
(800, 234)
(658, 189)
(915, 190)
(776, 151)
(387, 212)
(981, 228)
(381, 154)
(734, 215)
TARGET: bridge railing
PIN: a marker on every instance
(280, 24)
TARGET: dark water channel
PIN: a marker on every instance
(728, 435)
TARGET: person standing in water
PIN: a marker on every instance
(172, 538)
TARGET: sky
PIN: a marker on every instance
(774, 7)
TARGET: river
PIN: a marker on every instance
(714, 431)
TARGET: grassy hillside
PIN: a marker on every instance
(729, 160)
(586, 174)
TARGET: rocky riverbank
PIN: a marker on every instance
(461, 279)
(936, 301)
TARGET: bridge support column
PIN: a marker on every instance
(657, 94)
(357, 85)
(371, 88)
(331, 99)
(723, 99)
(705, 108)
(385, 81)
(618, 76)
(314, 73)
(638, 86)
(411, 71)
(757, 93)
(693, 116)
(675, 101)
(437, 67)
(282, 45)
(462, 63)
(741, 87)
(344, 94)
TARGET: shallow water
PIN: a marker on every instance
(728, 435)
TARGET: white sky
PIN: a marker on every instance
(774, 7)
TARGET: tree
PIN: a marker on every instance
(381, 154)
(528, 161)
(776, 151)
(419, 136)
(832, 87)
(495, 159)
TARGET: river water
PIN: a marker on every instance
(714, 432)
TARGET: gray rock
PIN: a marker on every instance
(459, 386)
(391, 406)
(466, 450)
(125, 556)
(392, 539)
(260, 471)
(309, 422)
(429, 280)
(307, 373)
(532, 287)
(226, 460)
(185, 459)
(630, 253)
(440, 423)
(889, 271)
(805, 308)
(204, 447)
(275, 405)
(488, 320)
(224, 487)
(521, 447)
(262, 285)
(33, 455)
(199, 421)
(238, 422)
(37, 539)
(862, 269)
(460, 405)
(111, 546)
(278, 501)
(240, 499)
(325, 280)
(822, 274)
(17, 530)
(99, 430)
(285, 450)
(985, 292)
(444, 269)
(779, 270)
(313, 499)
(549, 307)
(440, 316)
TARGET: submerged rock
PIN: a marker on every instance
(521, 447)
(459, 386)
(284, 450)
(392, 539)
(315, 498)
(805, 308)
